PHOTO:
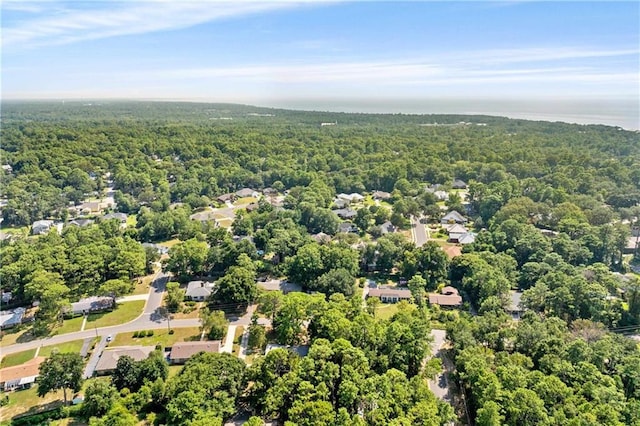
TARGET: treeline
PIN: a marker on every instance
(157, 157)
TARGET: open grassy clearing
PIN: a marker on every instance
(68, 347)
(24, 400)
(169, 243)
(193, 311)
(17, 358)
(15, 335)
(225, 223)
(69, 325)
(160, 337)
(124, 313)
(245, 200)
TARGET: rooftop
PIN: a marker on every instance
(109, 358)
(30, 368)
(185, 350)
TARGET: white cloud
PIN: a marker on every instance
(110, 19)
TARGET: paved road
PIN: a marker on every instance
(440, 385)
(95, 356)
(151, 319)
(419, 231)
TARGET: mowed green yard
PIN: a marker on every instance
(124, 312)
(160, 337)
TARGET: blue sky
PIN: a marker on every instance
(267, 52)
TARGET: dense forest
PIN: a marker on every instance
(553, 206)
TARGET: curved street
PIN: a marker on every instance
(151, 318)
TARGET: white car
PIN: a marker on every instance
(109, 338)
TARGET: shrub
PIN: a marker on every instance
(135, 334)
(171, 331)
(149, 333)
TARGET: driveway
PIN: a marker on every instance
(419, 231)
(440, 385)
(95, 356)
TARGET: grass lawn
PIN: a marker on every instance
(160, 337)
(15, 335)
(169, 243)
(124, 313)
(193, 314)
(24, 400)
(174, 370)
(70, 325)
(68, 347)
(142, 284)
(245, 200)
(225, 223)
(386, 311)
(236, 339)
(17, 358)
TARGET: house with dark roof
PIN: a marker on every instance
(109, 358)
(227, 197)
(21, 376)
(390, 294)
(345, 213)
(182, 351)
(448, 298)
(198, 291)
(453, 217)
(347, 227)
(387, 228)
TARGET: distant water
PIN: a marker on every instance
(623, 113)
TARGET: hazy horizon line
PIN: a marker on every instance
(584, 110)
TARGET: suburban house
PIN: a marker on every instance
(81, 223)
(459, 184)
(468, 238)
(182, 351)
(121, 217)
(204, 216)
(227, 197)
(345, 213)
(347, 227)
(354, 197)
(40, 227)
(455, 231)
(301, 350)
(441, 195)
(157, 247)
(449, 298)
(270, 191)
(109, 358)
(380, 195)
(247, 192)
(340, 203)
(515, 308)
(11, 318)
(387, 228)
(453, 217)
(390, 295)
(198, 291)
(321, 237)
(20, 376)
(279, 285)
(91, 304)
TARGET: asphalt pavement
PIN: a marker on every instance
(419, 231)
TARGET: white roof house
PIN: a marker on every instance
(41, 227)
(11, 318)
(199, 290)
